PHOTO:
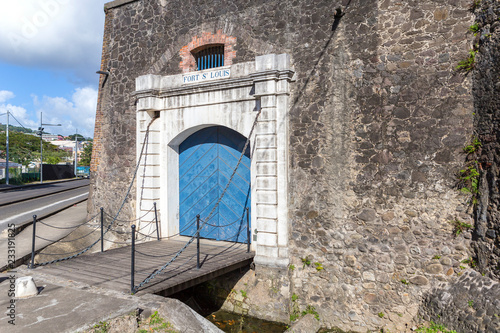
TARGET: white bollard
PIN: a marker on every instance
(26, 287)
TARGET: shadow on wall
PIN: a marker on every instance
(339, 13)
(471, 304)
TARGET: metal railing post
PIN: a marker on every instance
(132, 263)
(198, 241)
(33, 244)
(102, 229)
(156, 219)
(248, 230)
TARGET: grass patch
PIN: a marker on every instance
(434, 328)
(460, 226)
(467, 64)
(102, 327)
(155, 323)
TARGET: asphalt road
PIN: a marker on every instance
(22, 212)
(29, 192)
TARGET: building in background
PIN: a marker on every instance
(12, 165)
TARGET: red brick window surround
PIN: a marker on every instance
(188, 62)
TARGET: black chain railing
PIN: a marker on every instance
(200, 225)
(155, 273)
(102, 238)
(108, 228)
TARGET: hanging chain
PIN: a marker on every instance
(156, 272)
(119, 210)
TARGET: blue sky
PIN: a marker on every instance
(49, 53)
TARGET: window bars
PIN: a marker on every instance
(210, 57)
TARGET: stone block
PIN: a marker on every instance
(267, 211)
(434, 269)
(266, 127)
(266, 197)
(370, 298)
(268, 102)
(272, 61)
(25, 287)
(368, 276)
(268, 114)
(266, 225)
(266, 183)
(266, 251)
(267, 239)
(265, 141)
(266, 169)
(419, 280)
(388, 216)
(368, 214)
(151, 182)
(266, 155)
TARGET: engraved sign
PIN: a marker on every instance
(215, 74)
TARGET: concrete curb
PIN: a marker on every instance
(41, 195)
(4, 187)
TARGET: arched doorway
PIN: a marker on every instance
(207, 160)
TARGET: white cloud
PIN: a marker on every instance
(5, 95)
(79, 113)
(60, 34)
(20, 114)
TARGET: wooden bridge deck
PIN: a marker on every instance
(111, 269)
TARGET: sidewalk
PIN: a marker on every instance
(68, 306)
(63, 306)
(72, 216)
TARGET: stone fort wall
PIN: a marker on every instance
(378, 121)
(486, 92)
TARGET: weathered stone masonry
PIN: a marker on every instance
(377, 120)
(486, 91)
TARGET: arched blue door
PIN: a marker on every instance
(207, 159)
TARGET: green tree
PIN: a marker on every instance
(80, 137)
(86, 155)
(25, 148)
(13, 128)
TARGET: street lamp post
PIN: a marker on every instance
(40, 129)
(7, 175)
(76, 149)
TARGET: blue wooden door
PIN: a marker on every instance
(207, 160)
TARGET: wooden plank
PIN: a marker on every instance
(98, 270)
(75, 276)
(111, 269)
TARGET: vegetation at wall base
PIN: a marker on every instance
(460, 226)
(466, 65)
(474, 5)
(434, 328)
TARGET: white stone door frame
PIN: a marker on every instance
(233, 102)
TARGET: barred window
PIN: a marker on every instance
(209, 57)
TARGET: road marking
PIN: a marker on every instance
(41, 208)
